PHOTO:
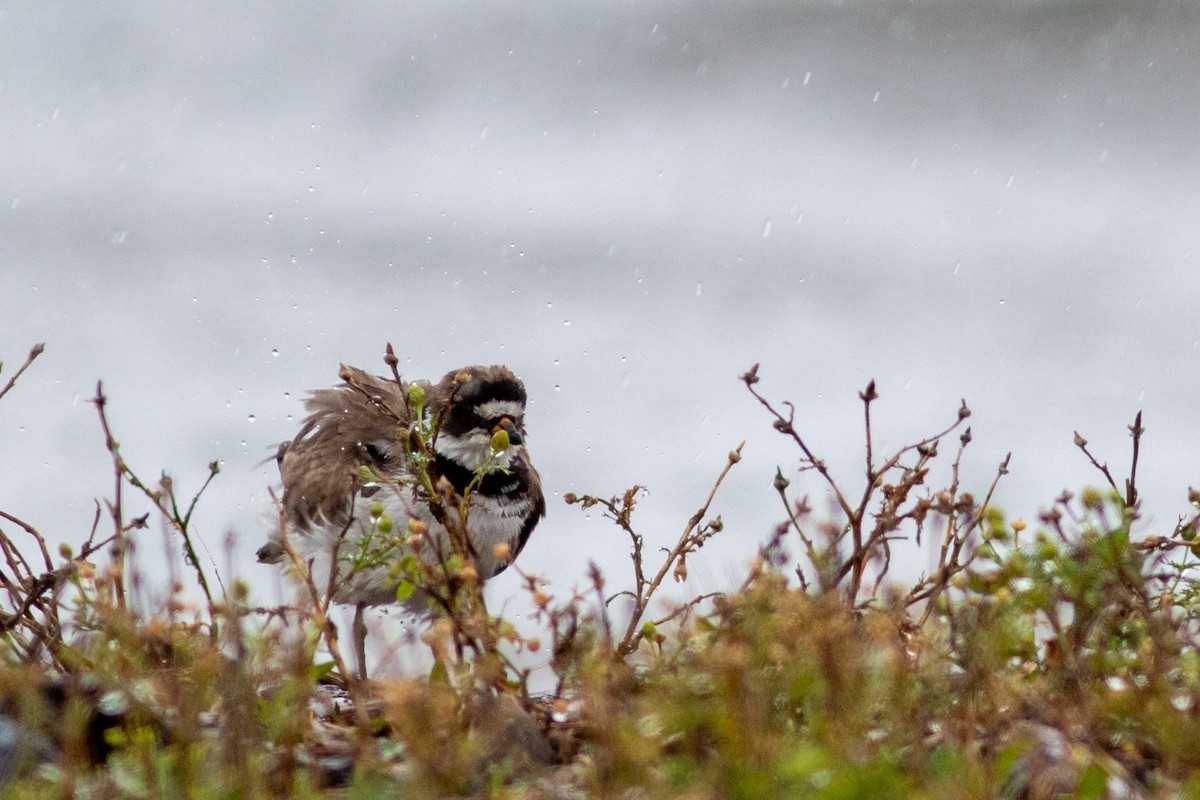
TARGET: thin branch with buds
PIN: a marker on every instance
(888, 489)
(692, 539)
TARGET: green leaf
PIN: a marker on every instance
(321, 670)
(404, 590)
(1093, 784)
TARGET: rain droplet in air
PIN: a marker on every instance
(767, 228)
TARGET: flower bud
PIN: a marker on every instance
(500, 441)
(416, 394)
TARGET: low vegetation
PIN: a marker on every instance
(1051, 658)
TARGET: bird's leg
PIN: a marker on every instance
(360, 639)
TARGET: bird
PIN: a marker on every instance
(351, 466)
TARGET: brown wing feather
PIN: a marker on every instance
(320, 467)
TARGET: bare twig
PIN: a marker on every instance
(34, 352)
(1135, 430)
(121, 543)
(867, 543)
(693, 537)
(1131, 493)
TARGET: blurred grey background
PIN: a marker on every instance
(209, 205)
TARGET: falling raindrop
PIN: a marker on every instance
(766, 228)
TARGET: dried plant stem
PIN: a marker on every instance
(121, 542)
(1131, 492)
(869, 532)
(34, 352)
(693, 537)
(951, 559)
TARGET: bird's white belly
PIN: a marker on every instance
(491, 521)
